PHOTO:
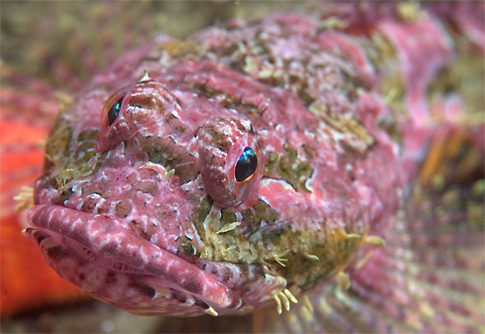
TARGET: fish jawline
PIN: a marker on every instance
(71, 240)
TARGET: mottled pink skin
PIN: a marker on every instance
(131, 257)
(423, 48)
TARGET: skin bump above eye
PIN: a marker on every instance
(131, 110)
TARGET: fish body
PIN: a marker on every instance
(249, 165)
(164, 125)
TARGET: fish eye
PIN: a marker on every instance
(114, 106)
(114, 111)
(246, 165)
(127, 111)
(111, 115)
(230, 160)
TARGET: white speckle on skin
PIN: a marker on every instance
(310, 180)
(200, 243)
(175, 113)
(286, 185)
(107, 326)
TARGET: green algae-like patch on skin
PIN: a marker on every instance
(65, 165)
(232, 245)
(309, 257)
(58, 142)
(301, 257)
(260, 212)
(384, 58)
(356, 137)
(464, 76)
(164, 152)
(290, 167)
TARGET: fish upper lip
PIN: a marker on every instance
(110, 236)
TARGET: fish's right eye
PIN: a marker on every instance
(132, 111)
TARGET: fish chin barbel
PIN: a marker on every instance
(144, 209)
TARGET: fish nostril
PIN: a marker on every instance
(40, 238)
(146, 290)
(180, 298)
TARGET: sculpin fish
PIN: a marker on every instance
(256, 164)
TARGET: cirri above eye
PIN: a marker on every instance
(230, 160)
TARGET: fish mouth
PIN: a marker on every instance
(104, 257)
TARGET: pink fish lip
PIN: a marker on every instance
(112, 245)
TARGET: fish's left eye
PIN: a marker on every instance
(230, 160)
(114, 107)
(114, 111)
(246, 165)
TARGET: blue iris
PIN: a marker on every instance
(246, 165)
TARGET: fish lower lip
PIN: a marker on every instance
(109, 236)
